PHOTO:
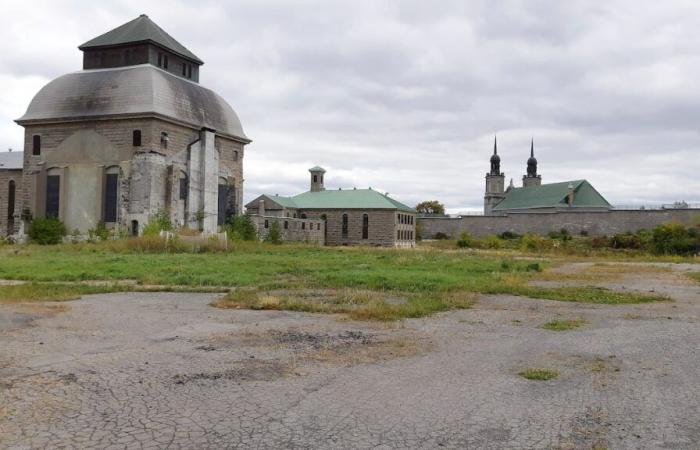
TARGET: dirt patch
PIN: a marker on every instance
(242, 371)
(588, 430)
(299, 340)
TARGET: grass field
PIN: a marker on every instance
(361, 282)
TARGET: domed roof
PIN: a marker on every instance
(132, 91)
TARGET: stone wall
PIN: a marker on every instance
(292, 230)
(7, 175)
(594, 223)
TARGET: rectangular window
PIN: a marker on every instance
(365, 226)
(53, 193)
(189, 71)
(286, 225)
(303, 225)
(165, 61)
(345, 226)
(136, 138)
(36, 145)
(111, 189)
(267, 224)
(398, 235)
(160, 60)
(184, 69)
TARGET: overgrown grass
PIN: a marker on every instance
(538, 374)
(363, 281)
(357, 304)
(33, 292)
(563, 325)
(695, 276)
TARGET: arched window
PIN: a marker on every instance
(136, 138)
(111, 194)
(36, 145)
(11, 207)
(53, 193)
(365, 226)
(235, 155)
(345, 226)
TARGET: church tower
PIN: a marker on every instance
(531, 178)
(317, 179)
(494, 182)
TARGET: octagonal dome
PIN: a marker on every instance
(132, 91)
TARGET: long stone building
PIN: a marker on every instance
(348, 216)
(131, 134)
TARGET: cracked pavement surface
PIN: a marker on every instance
(156, 370)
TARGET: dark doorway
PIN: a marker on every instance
(135, 228)
(227, 204)
(53, 194)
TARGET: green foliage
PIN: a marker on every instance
(465, 240)
(98, 233)
(561, 235)
(440, 236)
(242, 228)
(538, 374)
(274, 234)
(158, 222)
(675, 239)
(492, 242)
(535, 242)
(509, 235)
(430, 207)
(47, 231)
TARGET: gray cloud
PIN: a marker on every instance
(405, 96)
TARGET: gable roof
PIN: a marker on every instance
(340, 199)
(141, 29)
(11, 160)
(553, 195)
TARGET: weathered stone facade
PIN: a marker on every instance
(592, 222)
(291, 229)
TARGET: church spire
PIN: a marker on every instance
(495, 146)
(532, 161)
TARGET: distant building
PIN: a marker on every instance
(132, 134)
(577, 195)
(348, 216)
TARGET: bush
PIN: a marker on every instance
(534, 242)
(561, 235)
(492, 242)
(675, 239)
(465, 240)
(441, 236)
(242, 228)
(509, 235)
(158, 222)
(47, 231)
(98, 233)
(627, 241)
(600, 242)
(274, 235)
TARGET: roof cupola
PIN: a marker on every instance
(317, 179)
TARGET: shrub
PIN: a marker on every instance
(158, 222)
(47, 231)
(492, 241)
(627, 241)
(674, 239)
(534, 242)
(242, 228)
(465, 240)
(562, 235)
(509, 235)
(600, 242)
(99, 232)
(274, 235)
(441, 236)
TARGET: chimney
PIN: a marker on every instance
(570, 196)
(317, 179)
(261, 207)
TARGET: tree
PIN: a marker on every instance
(430, 207)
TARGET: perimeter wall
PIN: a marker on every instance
(594, 223)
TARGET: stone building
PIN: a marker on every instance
(347, 216)
(535, 197)
(132, 134)
(10, 192)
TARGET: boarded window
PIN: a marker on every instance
(365, 226)
(36, 145)
(53, 193)
(111, 189)
(136, 138)
(345, 226)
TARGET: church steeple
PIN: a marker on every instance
(532, 178)
(495, 159)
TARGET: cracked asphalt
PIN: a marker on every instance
(166, 370)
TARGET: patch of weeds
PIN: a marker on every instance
(538, 374)
(695, 276)
(357, 304)
(563, 325)
(39, 292)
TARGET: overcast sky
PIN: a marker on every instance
(405, 96)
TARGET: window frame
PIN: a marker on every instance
(36, 145)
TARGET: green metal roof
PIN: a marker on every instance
(553, 195)
(340, 199)
(141, 29)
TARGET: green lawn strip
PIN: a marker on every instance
(36, 292)
(580, 294)
(563, 325)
